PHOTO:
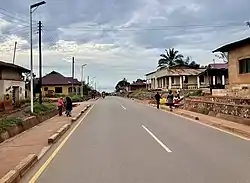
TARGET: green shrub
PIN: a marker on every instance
(40, 109)
(78, 98)
(9, 122)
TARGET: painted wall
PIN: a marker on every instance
(236, 79)
(6, 87)
(10, 74)
(65, 89)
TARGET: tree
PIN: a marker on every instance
(222, 56)
(171, 58)
(189, 62)
(121, 85)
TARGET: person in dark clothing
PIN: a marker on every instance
(68, 106)
(170, 99)
(157, 98)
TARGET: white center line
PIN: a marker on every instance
(123, 107)
(156, 139)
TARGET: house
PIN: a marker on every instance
(138, 85)
(55, 83)
(176, 77)
(12, 85)
(216, 75)
(238, 63)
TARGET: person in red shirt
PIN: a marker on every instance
(60, 105)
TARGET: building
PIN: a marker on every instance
(55, 83)
(177, 77)
(216, 75)
(238, 63)
(12, 85)
(138, 85)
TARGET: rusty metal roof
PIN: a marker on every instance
(176, 72)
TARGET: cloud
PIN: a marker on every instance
(120, 39)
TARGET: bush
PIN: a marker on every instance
(195, 93)
(9, 122)
(78, 98)
(41, 109)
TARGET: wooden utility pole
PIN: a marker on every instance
(73, 73)
(14, 55)
(40, 60)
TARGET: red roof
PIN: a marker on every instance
(55, 78)
(218, 66)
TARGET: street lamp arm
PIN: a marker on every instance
(37, 4)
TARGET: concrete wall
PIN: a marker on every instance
(64, 89)
(236, 79)
(10, 74)
(6, 87)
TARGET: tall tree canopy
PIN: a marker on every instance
(121, 85)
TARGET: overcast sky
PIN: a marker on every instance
(119, 38)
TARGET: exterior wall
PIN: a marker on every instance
(10, 74)
(7, 88)
(236, 79)
(65, 89)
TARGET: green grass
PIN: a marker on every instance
(41, 109)
(78, 98)
(6, 123)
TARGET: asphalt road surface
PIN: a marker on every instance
(121, 141)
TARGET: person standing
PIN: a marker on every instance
(170, 99)
(157, 98)
(68, 106)
(60, 105)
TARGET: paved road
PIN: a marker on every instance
(121, 141)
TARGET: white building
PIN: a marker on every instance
(177, 77)
(12, 84)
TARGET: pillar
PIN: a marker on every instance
(166, 82)
(198, 82)
(170, 83)
(156, 83)
(214, 80)
(162, 82)
(180, 82)
(223, 80)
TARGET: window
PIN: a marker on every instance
(244, 66)
(58, 89)
(172, 80)
(45, 88)
(202, 79)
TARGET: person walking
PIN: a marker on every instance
(60, 105)
(157, 98)
(170, 99)
(68, 106)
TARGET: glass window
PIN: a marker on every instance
(244, 66)
(58, 89)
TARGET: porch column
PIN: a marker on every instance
(180, 82)
(156, 83)
(170, 82)
(214, 80)
(162, 82)
(166, 82)
(223, 80)
(198, 82)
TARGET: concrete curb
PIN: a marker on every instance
(74, 119)
(15, 175)
(53, 138)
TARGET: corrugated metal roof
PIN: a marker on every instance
(176, 72)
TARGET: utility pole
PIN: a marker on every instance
(40, 60)
(14, 55)
(88, 80)
(73, 73)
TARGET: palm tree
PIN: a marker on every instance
(171, 58)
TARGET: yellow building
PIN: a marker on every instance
(55, 83)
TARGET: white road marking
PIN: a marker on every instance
(123, 107)
(156, 139)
